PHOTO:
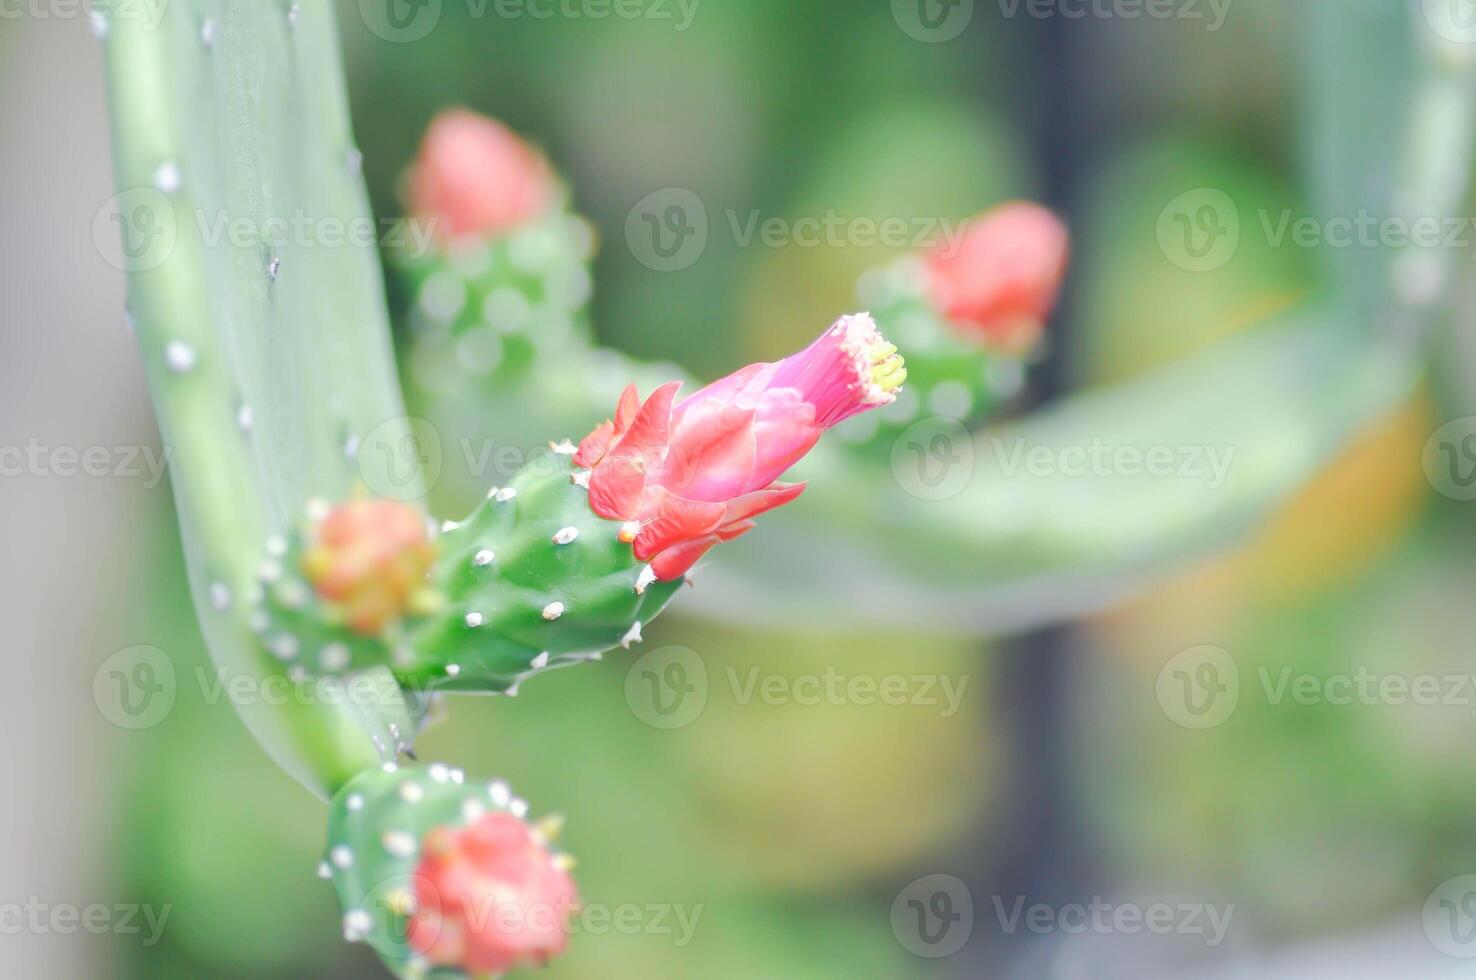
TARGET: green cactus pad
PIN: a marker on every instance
(531, 581)
(947, 375)
(482, 310)
(376, 824)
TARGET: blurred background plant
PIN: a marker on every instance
(1063, 774)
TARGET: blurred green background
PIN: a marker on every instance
(793, 828)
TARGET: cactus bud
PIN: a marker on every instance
(1002, 279)
(367, 560)
(475, 177)
(440, 872)
(697, 472)
(490, 897)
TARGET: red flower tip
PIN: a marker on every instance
(490, 897)
(1001, 281)
(368, 558)
(475, 177)
(690, 474)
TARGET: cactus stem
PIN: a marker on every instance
(341, 857)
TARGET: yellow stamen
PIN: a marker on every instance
(888, 369)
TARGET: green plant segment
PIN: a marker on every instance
(269, 362)
(376, 827)
(481, 313)
(531, 581)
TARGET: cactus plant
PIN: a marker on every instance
(270, 365)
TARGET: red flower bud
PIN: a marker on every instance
(475, 177)
(368, 558)
(1002, 279)
(693, 473)
(490, 897)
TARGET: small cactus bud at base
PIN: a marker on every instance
(367, 559)
(440, 872)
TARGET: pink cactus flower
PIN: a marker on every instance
(367, 559)
(475, 177)
(686, 475)
(1002, 280)
(490, 897)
